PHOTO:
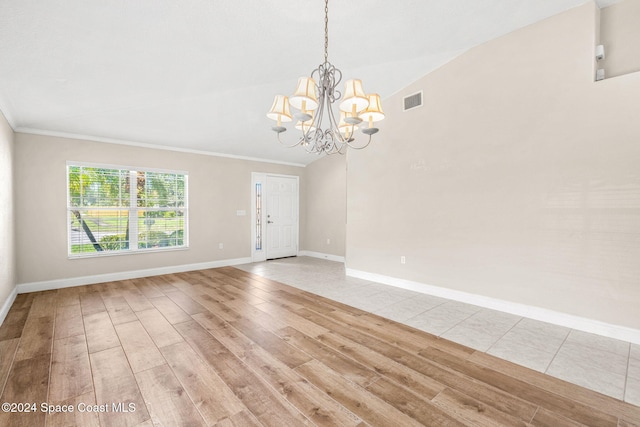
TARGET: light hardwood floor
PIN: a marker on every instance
(228, 348)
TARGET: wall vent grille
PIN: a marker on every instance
(412, 101)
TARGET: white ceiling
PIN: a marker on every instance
(201, 74)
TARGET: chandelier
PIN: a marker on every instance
(313, 101)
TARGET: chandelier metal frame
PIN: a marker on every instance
(339, 135)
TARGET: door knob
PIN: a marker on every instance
(269, 222)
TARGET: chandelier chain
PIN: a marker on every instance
(326, 31)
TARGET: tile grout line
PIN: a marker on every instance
(586, 347)
(557, 351)
(458, 324)
(626, 377)
(422, 312)
(503, 335)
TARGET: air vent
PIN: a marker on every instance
(412, 101)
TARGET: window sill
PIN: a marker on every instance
(129, 252)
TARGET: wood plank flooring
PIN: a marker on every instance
(223, 347)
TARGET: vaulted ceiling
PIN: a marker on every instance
(201, 74)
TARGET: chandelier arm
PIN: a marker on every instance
(335, 145)
(309, 148)
(323, 142)
(312, 147)
(360, 148)
(317, 126)
(300, 141)
(338, 149)
(334, 126)
(320, 111)
(337, 78)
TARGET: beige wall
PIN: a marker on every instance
(620, 35)
(218, 187)
(7, 236)
(325, 200)
(519, 178)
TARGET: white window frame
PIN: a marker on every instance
(133, 211)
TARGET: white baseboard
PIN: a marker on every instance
(4, 310)
(330, 257)
(537, 313)
(124, 275)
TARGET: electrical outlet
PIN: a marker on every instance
(220, 246)
(328, 241)
(403, 260)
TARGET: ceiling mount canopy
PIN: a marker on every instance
(314, 113)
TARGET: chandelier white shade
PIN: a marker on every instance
(355, 100)
(280, 110)
(305, 97)
(314, 112)
(373, 112)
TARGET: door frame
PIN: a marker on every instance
(257, 254)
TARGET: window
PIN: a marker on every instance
(108, 215)
(258, 216)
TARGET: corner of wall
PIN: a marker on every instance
(6, 306)
(8, 289)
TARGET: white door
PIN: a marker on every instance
(281, 216)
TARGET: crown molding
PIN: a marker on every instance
(90, 138)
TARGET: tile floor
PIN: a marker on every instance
(606, 365)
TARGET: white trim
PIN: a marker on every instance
(124, 167)
(537, 313)
(147, 145)
(320, 255)
(124, 275)
(7, 304)
(126, 252)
